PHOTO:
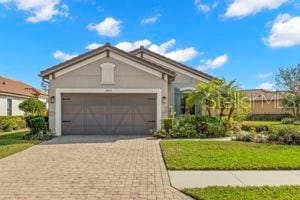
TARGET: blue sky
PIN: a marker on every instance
(246, 40)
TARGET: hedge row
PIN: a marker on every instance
(191, 126)
(10, 123)
(282, 134)
(268, 117)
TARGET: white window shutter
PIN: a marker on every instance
(108, 73)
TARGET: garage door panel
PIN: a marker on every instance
(108, 113)
(97, 109)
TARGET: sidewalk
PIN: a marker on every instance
(191, 179)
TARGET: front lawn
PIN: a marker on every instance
(13, 142)
(257, 123)
(212, 155)
(267, 123)
(245, 193)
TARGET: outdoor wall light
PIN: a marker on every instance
(52, 99)
(164, 98)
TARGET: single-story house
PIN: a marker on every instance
(265, 102)
(13, 92)
(110, 91)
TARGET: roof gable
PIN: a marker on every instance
(181, 66)
(13, 87)
(106, 49)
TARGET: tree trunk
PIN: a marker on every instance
(208, 111)
(230, 113)
(222, 111)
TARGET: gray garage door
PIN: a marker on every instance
(119, 114)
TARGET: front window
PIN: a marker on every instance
(180, 106)
(9, 107)
(184, 108)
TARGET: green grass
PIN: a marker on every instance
(13, 142)
(212, 155)
(262, 122)
(245, 193)
(269, 123)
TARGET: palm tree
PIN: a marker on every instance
(204, 95)
(226, 95)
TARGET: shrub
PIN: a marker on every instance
(168, 124)
(162, 133)
(287, 120)
(29, 118)
(191, 126)
(282, 134)
(285, 134)
(38, 128)
(38, 125)
(33, 106)
(212, 126)
(268, 117)
(245, 137)
(232, 127)
(297, 122)
(251, 137)
(184, 126)
(253, 127)
(9, 123)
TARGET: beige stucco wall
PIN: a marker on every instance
(89, 76)
(15, 105)
(183, 79)
(267, 107)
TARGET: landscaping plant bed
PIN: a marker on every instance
(245, 193)
(221, 155)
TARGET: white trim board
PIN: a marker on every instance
(59, 91)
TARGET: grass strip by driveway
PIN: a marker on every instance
(213, 155)
(13, 142)
(245, 193)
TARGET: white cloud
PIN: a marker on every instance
(150, 20)
(109, 27)
(40, 10)
(182, 55)
(127, 46)
(265, 75)
(285, 32)
(179, 55)
(266, 86)
(162, 48)
(205, 7)
(243, 8)
(93, 46)
(60, 55)
(214, 63)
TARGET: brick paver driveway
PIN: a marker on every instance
(90, 167)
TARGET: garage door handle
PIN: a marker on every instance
(66, 121)
(152, 121)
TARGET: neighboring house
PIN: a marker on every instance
(266, 102)
(13, 92)
(110, 91)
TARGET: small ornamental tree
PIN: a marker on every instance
(289, 79)
(32, 107)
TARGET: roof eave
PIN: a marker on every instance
(63, 65)
(168, 60)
